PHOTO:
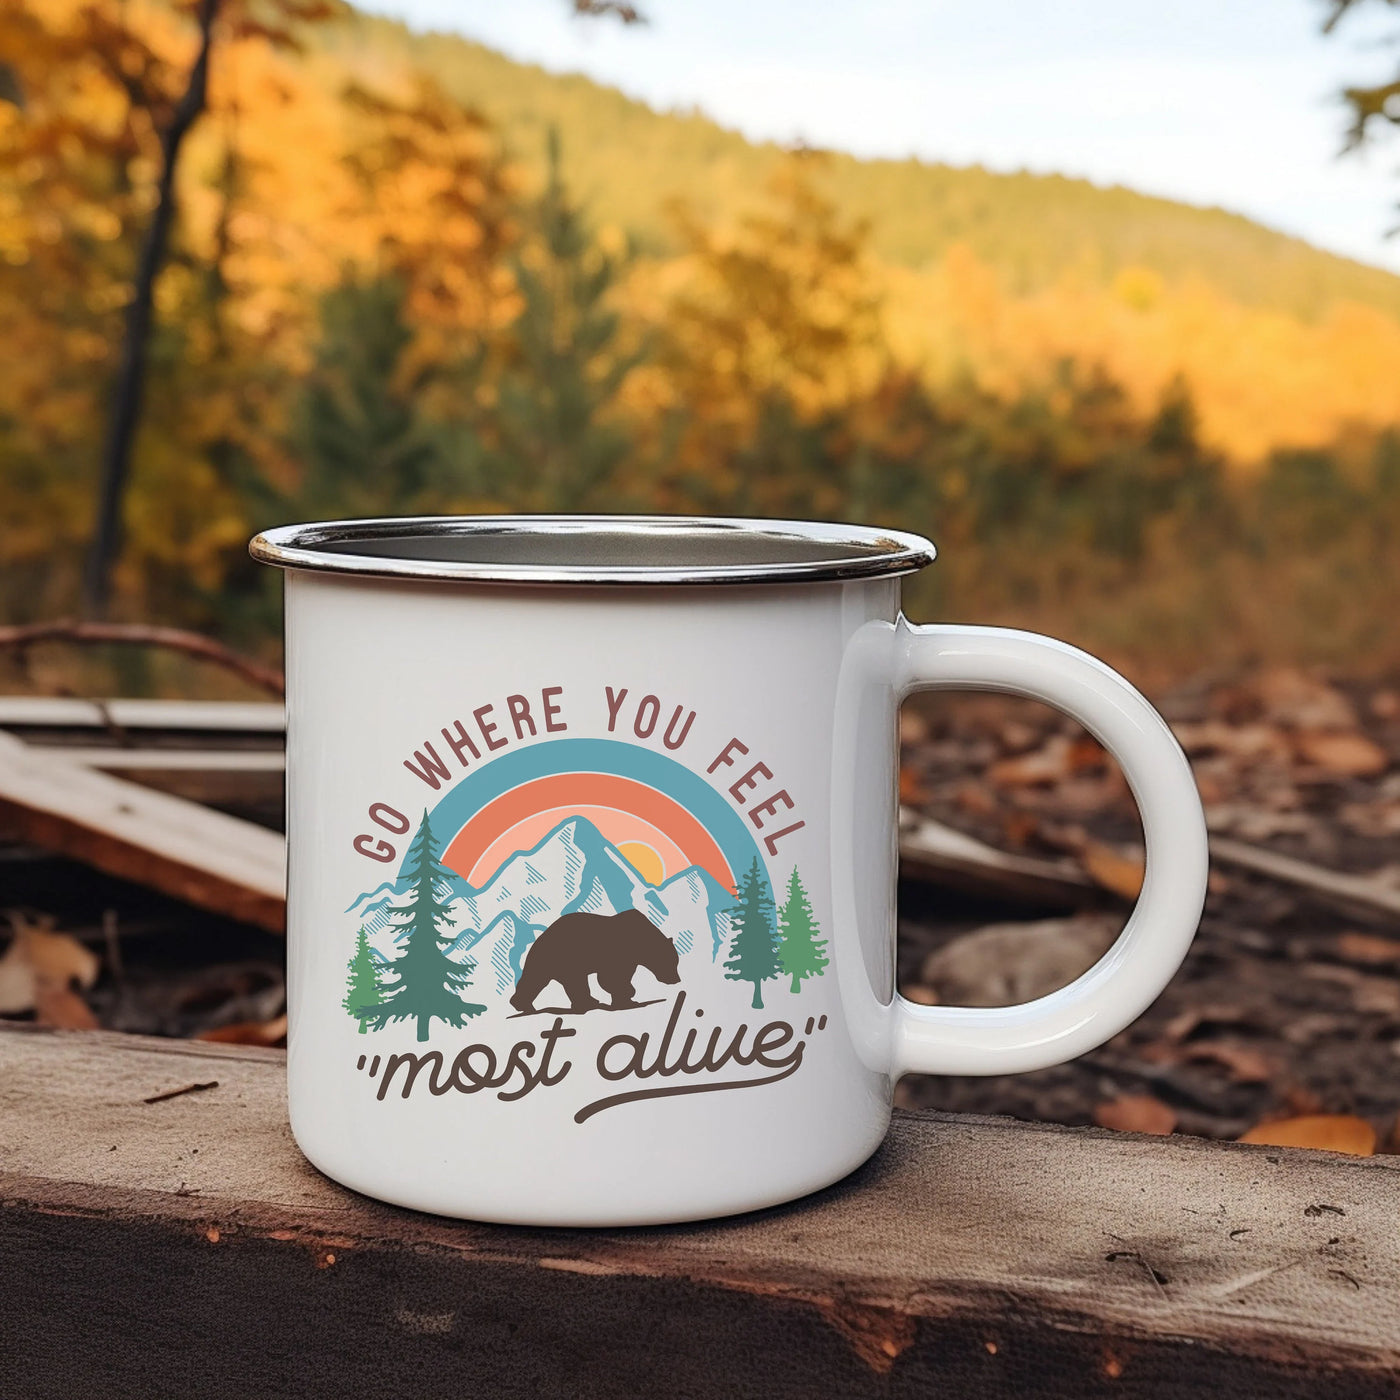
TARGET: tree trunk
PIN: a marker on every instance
(129, 389)
(758, 996)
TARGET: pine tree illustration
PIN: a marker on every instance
(801, 952)
(423, 983)
(362, 993)
(753, 949)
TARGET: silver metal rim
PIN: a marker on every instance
(857, 551)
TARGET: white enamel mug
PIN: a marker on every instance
(592, 855)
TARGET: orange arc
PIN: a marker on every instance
(595, 790)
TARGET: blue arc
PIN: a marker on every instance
(473, 792)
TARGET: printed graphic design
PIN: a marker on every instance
(582, 882)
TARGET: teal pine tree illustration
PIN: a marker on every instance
(753, 948)
(422, 983)
(801, 950)
(362, 993)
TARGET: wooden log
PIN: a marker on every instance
(158, 1244)
(183, 849)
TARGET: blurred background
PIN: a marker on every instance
(1098, 295)
(1099, 303)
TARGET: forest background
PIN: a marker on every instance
(406, 275)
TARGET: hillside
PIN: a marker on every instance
(630, 160)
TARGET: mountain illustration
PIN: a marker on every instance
(574, 869)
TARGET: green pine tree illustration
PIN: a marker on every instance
(753, 948)
(801, 951)
(362, 993)
(422, 983)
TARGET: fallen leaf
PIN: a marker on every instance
(1346, 754)
(1303, 701)
(1377, 995)
(1250, 822)
(1385, 704)
(249, 1032)
(1372, 818)
(1043, 766)
(39, 963)
(1020, 828)
(18, 984)
(1368, 948)
(1216, 1013)
(59, 958)
(975, 800)
(1312, 1026)
(1244, 1064)
(62, 1008)
(1015, 736)
(920, 995)
(1135, 1113)
(1300, 1101)
(1085, 752)
(1324, 1132)
(1242, 743)
(913, 727)
(1112, 869)
(912, 791)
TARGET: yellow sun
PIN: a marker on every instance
(644, 861)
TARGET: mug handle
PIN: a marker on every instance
(1129, 977)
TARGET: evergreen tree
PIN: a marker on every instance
(553, 439)
(801, 953)
(753, 948)
(362, 993)
(358, 434)
(423, 983)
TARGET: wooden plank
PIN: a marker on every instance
(939, 854)
(1365, 895)
(185, 1247)
(248, 783)
(207, 716)
(204, 857)
(171, 760)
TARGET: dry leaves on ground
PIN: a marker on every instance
(1119, 872)
(270, 1032)
(1372, 949)
(39, 970)
(1135, 1113)
(1344, 754)
(1326, 1132)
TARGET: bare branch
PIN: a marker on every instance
(144, 635)
(618, 9)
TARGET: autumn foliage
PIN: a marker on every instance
(383, 296)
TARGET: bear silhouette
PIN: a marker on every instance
(609, 946)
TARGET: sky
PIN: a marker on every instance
(1214, 102)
